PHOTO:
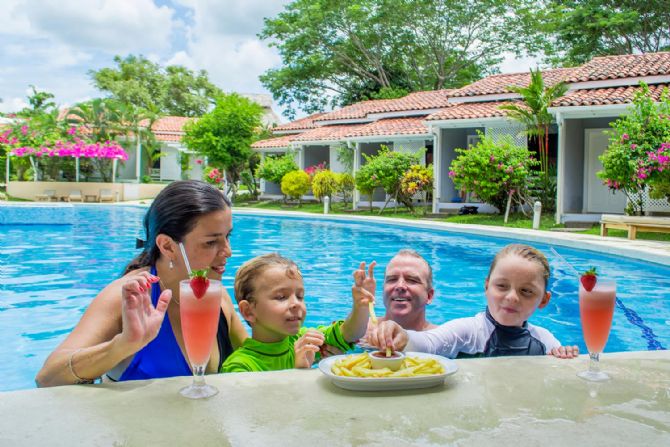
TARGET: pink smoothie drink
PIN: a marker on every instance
(199, 320)
(596, 309)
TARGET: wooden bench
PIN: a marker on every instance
(633, 224)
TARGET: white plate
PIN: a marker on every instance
(389, 383)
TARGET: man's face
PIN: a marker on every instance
(406, 289)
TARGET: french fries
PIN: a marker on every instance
(358, 365)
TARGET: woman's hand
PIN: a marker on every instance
(306, 348)
(565, 352)
(141, 321)
(388, 334)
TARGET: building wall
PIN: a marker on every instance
(411, 146)
(170, 167)
(316, 154)
(333, 163)
(450, 140)
(120, 191)
(573, 183)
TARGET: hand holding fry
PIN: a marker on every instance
(388, 334)
(306, 348)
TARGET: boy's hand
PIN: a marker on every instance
(565, 352)
(363, 290)
(327, 350)
(388, 334)
(306, 348)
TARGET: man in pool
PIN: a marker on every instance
(408, 289)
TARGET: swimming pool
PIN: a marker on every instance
(50, 273)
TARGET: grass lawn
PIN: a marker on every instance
(514, 221)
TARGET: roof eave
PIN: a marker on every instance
(402, 113)
(590, 111)
(372, 138)
(343, 121)
(466, 122)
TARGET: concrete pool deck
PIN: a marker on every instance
(529, 401)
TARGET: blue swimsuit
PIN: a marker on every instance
(162, 357)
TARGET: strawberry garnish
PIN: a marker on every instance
(199, 283)
(588, 279)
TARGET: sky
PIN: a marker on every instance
(53, 44)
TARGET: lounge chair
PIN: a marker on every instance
(106, 195)
(75, 196)
(48, 195)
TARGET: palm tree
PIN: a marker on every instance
(138, 121)
(102, 118)
(533, 115)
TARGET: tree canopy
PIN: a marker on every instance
(335, 53)
(171, 90)
(575, 31)
(225, 134)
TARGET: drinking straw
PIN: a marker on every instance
(564, 261)
(183, 254)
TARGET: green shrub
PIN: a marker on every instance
(415, 180)
(324, 184)
(386, 170)
(295, 184)
(345, 186)
(636, 158)
(494, 170)
(273, 168)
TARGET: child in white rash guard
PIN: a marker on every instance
(515, 287)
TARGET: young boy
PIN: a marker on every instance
(270, 295)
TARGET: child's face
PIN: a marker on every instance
(278, 309)
(515, 289)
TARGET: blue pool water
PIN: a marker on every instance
(50, 273)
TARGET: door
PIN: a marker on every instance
(598, 198)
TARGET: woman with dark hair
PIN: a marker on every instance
(132, 329)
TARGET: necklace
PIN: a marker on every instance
(174, 298)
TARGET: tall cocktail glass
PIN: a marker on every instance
(596, 309)
(199, 322)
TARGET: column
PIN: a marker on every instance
(437, 162)
(560, 164)
(357, 166)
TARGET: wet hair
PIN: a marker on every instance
(175, 212)
(525, 252)
(246, 276)
(415, 254)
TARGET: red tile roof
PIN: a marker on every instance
(471, 110)
(357, 110)
(300, 124)
(327, 133)
(430, 99)
(270, 143)
(498, 84)
(391, 126)
(604, 96)
(169, 124)
(625, 66)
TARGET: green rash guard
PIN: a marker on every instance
(255, 355)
